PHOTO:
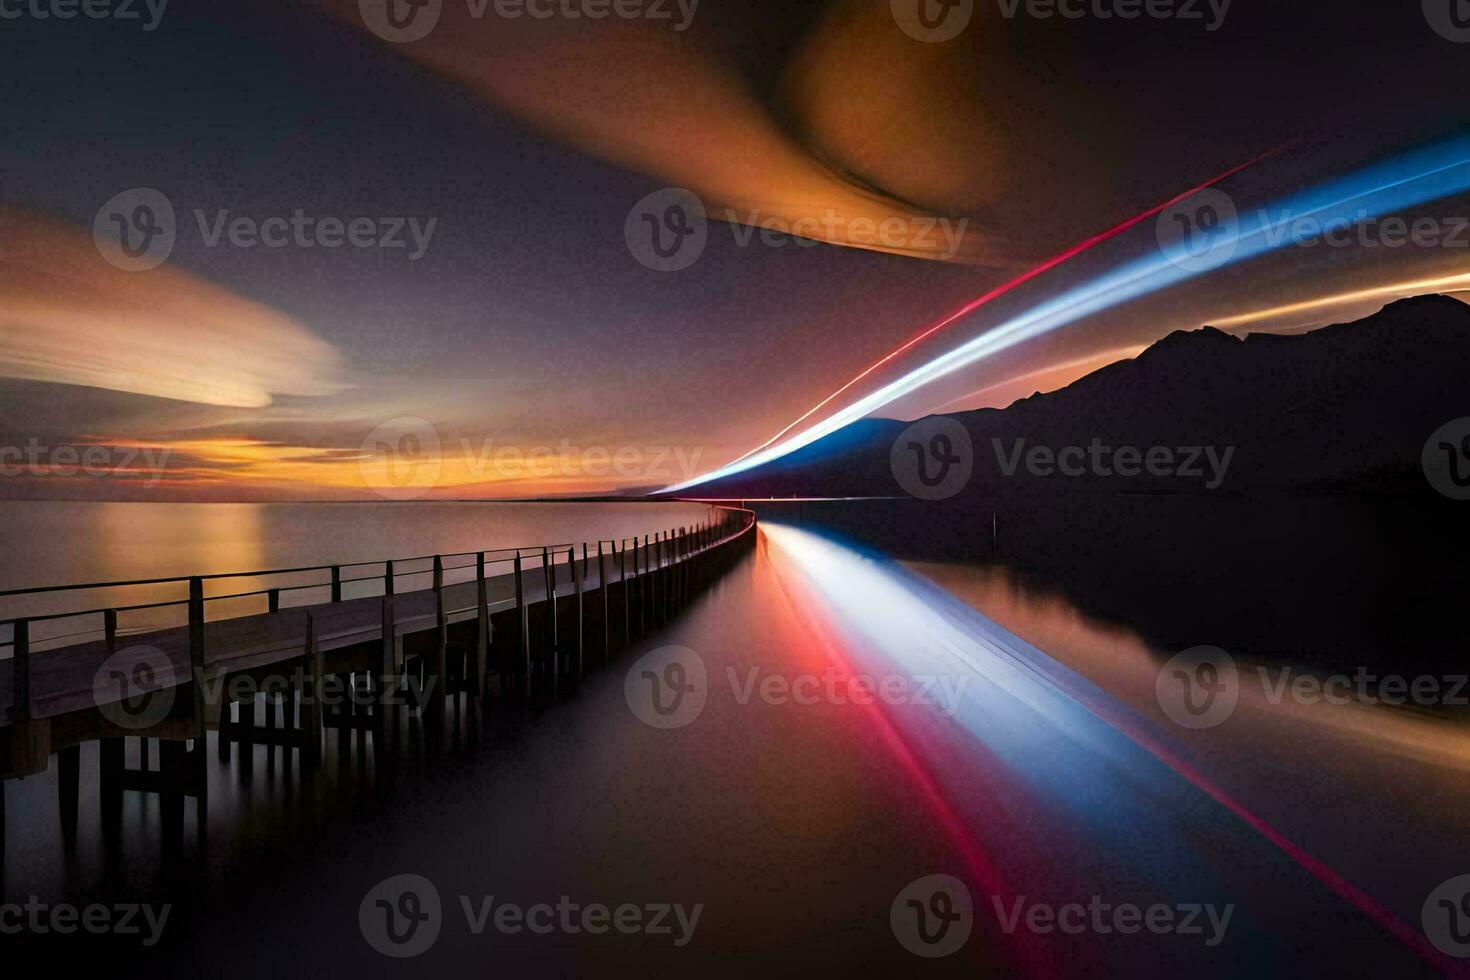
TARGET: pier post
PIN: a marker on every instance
(112, 748)
(273, 600)
(644, 594)
(20, 667)
(605, 588)
(482, 630)
(172, 762)
(111, 756)
(438, 699)
(193, 767)
(68, 784)
(623, 588)
(196, 650)
(336, 583)
(577, 587)
(30, 738)
(388, 577)
(523, 625)
(666, 572)
(386, 724)
(548, 574)
(311, 710)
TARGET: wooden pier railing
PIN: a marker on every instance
(256, 656)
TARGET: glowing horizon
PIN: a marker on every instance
(1422, 176)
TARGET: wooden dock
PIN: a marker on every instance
(283, 663)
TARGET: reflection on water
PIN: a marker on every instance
(69, 542)
(61, 542)
(867, 724)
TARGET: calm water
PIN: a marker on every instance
(62, 543)
(1044, 773)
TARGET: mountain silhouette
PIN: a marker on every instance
(1343, 409)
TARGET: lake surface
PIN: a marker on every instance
(1020, 750)
(65, 542)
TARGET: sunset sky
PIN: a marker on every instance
(490, 332)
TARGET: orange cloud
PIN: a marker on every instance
(646, 96)
(68, 316)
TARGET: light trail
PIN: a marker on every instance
(1446, 284)
(929, 632)
(1014, 284)
(1426, 175)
